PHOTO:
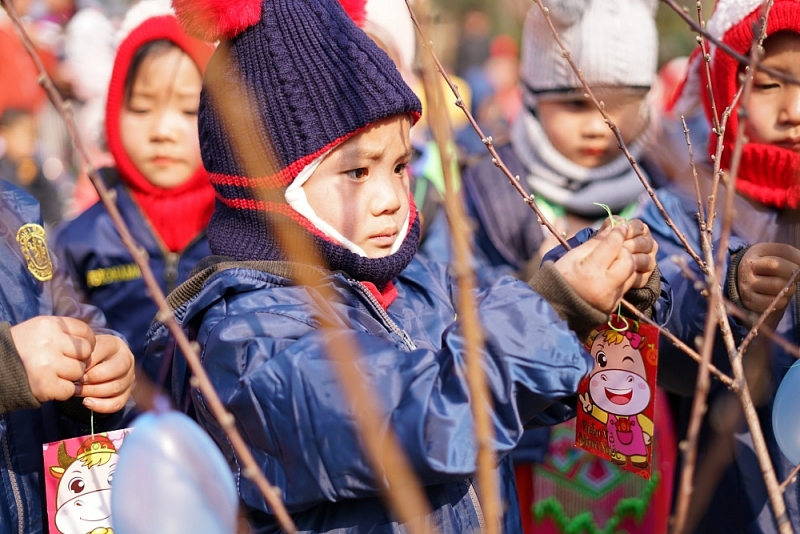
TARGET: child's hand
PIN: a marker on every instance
(600, 270)
(642, 246)
(763, 271)
(108, 380)
(55, 352)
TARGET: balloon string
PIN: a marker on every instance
(91, 422)
(619, 309)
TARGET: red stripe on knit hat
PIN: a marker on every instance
(282, 178)
(286, 175)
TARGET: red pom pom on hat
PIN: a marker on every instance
(212, 20)
(357, 10)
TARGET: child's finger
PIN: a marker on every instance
(643, 263)
(77, 328)
(607, 245)
(74, 347)
(69, 369)
(108, 370)
(104, 390)
(105, 404)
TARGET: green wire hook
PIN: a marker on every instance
(619, 309)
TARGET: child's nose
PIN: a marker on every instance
(790, 112)
(387, 197)
(594, 125)
(166, 126)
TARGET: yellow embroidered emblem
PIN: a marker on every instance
(112, 275)
(34, 247)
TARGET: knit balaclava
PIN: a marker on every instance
(310, 79)
(615, 44)
(178, 214)
(768, 174)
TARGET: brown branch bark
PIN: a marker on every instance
(481, 405)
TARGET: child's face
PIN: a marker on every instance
(20, 138)
(159, 121)
(361, 187)
(773, 109)
(577, 130)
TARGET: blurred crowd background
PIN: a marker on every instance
(478, 40)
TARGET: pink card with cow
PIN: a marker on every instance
(616, 402)
(78, 476)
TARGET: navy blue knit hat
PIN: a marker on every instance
(312, 79)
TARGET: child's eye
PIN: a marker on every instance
(577, 105)
(766, 86)
(401, 168)
(357, 174)
(139, 110)
(190, 112)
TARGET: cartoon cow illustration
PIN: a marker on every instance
(83, 498)
(619, 393)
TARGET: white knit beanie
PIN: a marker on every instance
(613, 42)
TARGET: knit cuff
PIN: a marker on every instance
(644, 298)
(581, 316)
(732, 280)
(15, 391)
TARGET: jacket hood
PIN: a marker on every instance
(160, 26)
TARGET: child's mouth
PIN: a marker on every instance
(384, 239)
(593, 152)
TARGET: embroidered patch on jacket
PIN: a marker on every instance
(34, 247)
(112, 275)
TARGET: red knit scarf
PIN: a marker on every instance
(179, 214)
(769, 175)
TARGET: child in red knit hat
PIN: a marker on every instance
(763, 252)
(162, 188)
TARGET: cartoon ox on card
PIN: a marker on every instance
(83, 499)
(618, 395)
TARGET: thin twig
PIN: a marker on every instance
(790, 478)
(701, 220)
(496, 159)
(226, 420)
(763, 317)
(743, 60)
(438, 120)
(735, 311)
(707, 66)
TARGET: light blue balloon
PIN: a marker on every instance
(172, 479)
(786, 414)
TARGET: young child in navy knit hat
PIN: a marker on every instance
(331, 116)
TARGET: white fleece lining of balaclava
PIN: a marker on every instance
(296, 198)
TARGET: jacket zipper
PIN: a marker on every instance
(172, 259)
(393, 327)
(387, 321)
(12, 476)
(477, 504)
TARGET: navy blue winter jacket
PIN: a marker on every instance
(264, 349)
(739, 504)
(105, 273)
(22, 297)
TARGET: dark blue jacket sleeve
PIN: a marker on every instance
(271, 369)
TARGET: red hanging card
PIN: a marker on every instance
(616, 402)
